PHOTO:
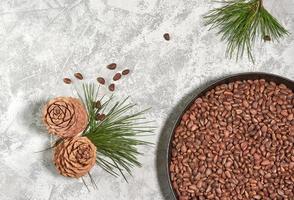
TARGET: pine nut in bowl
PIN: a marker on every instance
(235, 140)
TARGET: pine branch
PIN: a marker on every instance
(241, 22)
(116, 136)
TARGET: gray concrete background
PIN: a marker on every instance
(43, 41)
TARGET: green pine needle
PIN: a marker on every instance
(116, 137)
(241, 22)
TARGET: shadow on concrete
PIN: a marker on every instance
(32, 119)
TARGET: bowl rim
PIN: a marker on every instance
(226, 79)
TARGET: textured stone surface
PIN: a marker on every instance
(43, 41)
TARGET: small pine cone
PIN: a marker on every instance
(65, 116)
(74, 157)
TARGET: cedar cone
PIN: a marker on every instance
(74, 157)
(65, 116)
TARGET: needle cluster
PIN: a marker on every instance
(116, 135)
(241, 22)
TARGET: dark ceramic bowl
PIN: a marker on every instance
(237, 77)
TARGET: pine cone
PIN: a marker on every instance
(65, 116)
(74, 157)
